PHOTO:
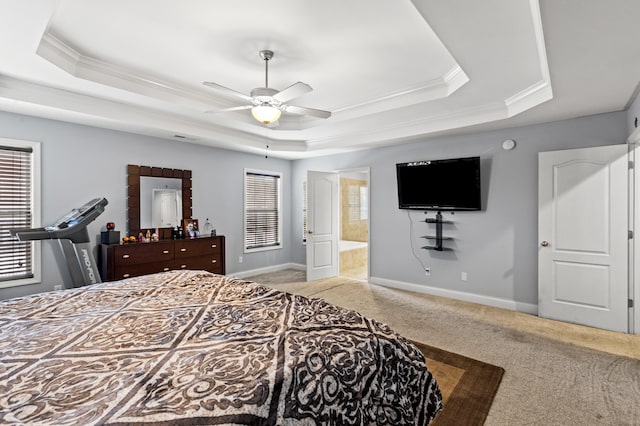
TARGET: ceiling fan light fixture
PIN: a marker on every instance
(267, 104)
(266, 114)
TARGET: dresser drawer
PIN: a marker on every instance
(130, 260)
(133, 254)
(127, 271)
(197, 247)
(211, 263)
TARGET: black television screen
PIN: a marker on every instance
(452, 184)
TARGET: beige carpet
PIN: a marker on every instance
(555, 373)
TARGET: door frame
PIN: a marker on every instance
(367, 171)
(634, 225)
(613, 318)
(337, 212)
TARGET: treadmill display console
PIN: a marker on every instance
(72, 226)
(76, 216)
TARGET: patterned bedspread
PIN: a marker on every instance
(190, 347)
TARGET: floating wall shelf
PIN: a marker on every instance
(438, 237)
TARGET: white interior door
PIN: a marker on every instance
(583, 236)
(322, 225)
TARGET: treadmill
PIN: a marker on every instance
(73, 237)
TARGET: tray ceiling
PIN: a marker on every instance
(389, 71)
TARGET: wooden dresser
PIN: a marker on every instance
(118, 261)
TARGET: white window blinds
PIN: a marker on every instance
(16, 211)
(262, 226)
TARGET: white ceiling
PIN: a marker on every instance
(390, 71)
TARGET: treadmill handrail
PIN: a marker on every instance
(76, 231)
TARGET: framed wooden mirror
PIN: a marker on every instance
(134, 199)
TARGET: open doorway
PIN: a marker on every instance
(336, 217)
(353, 244)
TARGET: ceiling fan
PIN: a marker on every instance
(267, 104)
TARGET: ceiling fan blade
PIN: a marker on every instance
(293, 91)
(226, 91)
(307, 111)
(238, 108)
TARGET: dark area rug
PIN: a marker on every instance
(468, 386)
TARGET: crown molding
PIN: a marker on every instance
(81, 108)
(541, 90)
(421, 92)
(77, 64)
(77, 108)
(414, 128)
(69, 59)
(536, 21)
(455, 79)
(354, 126)
(528, 98)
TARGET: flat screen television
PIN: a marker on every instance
(451, 184)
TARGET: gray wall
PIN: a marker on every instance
(497, 247)
(81, 162)
(632, 114)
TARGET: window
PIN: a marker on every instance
(358, 203)
(262, 210)
(354, 202)
(364, 203)
(19, 208)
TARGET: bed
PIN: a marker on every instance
(191, 347)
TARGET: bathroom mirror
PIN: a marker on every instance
(157, 198)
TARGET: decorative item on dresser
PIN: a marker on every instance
(130, 260)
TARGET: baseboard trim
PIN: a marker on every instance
(267, 269)
(458, 295)
(418, 288)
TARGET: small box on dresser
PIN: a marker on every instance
(120, 261)
(110, 237)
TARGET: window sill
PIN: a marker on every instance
(20, 282)
(259, 249)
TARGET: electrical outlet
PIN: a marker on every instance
(57, 287)
(240, 259)
(427, 271)
(463, 276)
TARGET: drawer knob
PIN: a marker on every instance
(165, 269)
(183, 249)
(213, 246)
(213, 261)
(125, 256)
(165, 251)
(126, 276)
(183, 266)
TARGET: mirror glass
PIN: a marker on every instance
(160, 202)
(172, 189)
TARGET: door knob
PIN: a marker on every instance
(309, 232)
(544, 243)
